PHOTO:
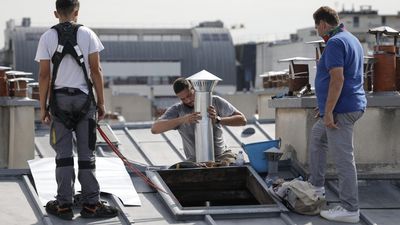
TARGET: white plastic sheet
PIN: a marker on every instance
(110, 172)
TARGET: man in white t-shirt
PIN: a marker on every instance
(72, 99)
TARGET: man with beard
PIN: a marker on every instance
(181, 116)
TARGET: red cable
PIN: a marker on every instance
(126, 162)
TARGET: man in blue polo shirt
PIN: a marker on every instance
(341, 102)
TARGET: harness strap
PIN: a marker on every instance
(87, 165)
(67, 44)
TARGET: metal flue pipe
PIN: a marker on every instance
(273, 156)
(203, 83)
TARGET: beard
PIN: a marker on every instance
(189, 106)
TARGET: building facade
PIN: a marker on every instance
(140, 56)
(357, 22)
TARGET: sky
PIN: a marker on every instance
(263, 20)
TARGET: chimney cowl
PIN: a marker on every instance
(203, 83)
(26, 22)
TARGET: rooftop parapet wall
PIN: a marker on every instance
(376, 142)
(16, 132)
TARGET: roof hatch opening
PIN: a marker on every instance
(224, 190)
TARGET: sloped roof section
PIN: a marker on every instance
(379, 199)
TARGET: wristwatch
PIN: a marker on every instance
(217, 119)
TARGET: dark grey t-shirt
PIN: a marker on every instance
(223, 108)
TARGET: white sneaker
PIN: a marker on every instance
(340, 214)
(320, 191)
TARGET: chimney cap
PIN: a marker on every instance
(317, 42)
(204, 75)
(20, 79)
(18, 73)
(296, 59)
(4, 68)
(33, 84)
(273, 150)
(384, 30)
(204, 81)
(275, 73)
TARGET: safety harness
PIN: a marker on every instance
(67, 44)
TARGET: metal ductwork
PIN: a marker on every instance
(203, 83)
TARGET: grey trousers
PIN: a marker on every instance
(340, 142)
(61, 140)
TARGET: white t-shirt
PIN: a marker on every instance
(69, 74)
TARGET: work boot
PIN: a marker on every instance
(61, 211)
(99, 210)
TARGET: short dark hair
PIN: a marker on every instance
(326, 14)
(66, 7)
(181, 84)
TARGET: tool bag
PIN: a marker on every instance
(300, 197)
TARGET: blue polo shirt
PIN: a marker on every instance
(342, 50)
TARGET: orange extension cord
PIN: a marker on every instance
(127, 163)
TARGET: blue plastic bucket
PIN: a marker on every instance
(257, 157)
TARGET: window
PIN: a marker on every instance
(118, 109)
(383, 20)
(215, 37)
(152, 37)
(143, 80)
(108, 37)
(118, 37)
(162, 37)
(127, 37)
(171, 37)
(154, 80)
(138, 80)
(172, 79)
(356, 21)
(224, 37)
(206, 37)
(32, 36)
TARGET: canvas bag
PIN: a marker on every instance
(300, 197)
